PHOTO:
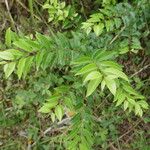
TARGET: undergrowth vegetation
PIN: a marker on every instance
(79, 79)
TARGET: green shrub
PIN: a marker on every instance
(84, 67)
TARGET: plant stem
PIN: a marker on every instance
(31, 10)
(10, 16)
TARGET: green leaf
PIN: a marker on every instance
(143, 104)
(54, 98)
(33, 44)
(101, 26)
(74, 142)
(136, 43)
(29, 61)
(131, 101)
(103, 83)
(7, 55)
(130, 108)
(126, 103)
(43, 40)
(111, 64)
(76, 120)
(121, 98)
(69, 102)
(111, 84)
(46, 6)
(39, 58)
(108, 25)
(72, 134)
(98, 28)
(82, 146)
(117, 22)
(92, 75)
(88, 136)
(16, 53)
(87, 68)
(23, 44)
(9, 68)
(48, 57)
(116, 72)
(84, 140)
(93, 84)
(3, 62)
(44, 109)
(82, 60)
(138, 110)
(8, 37)
(128, 88)
(112, 76)
(51, 104)
(59, 112)
(102, 55)
(95, 17)
(88, 30)
(118, 92)
(62, 89)
(20, 67)
(86, 25)
(53, 117)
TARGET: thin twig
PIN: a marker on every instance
(102, 102)
(145, 67)
(41, 18)
(11, 18)
(64, 121)
(29, 146)
(83, 9)
(113, 147)
(31, 9)
(131, 129)
(28, 10)
(117, 35)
